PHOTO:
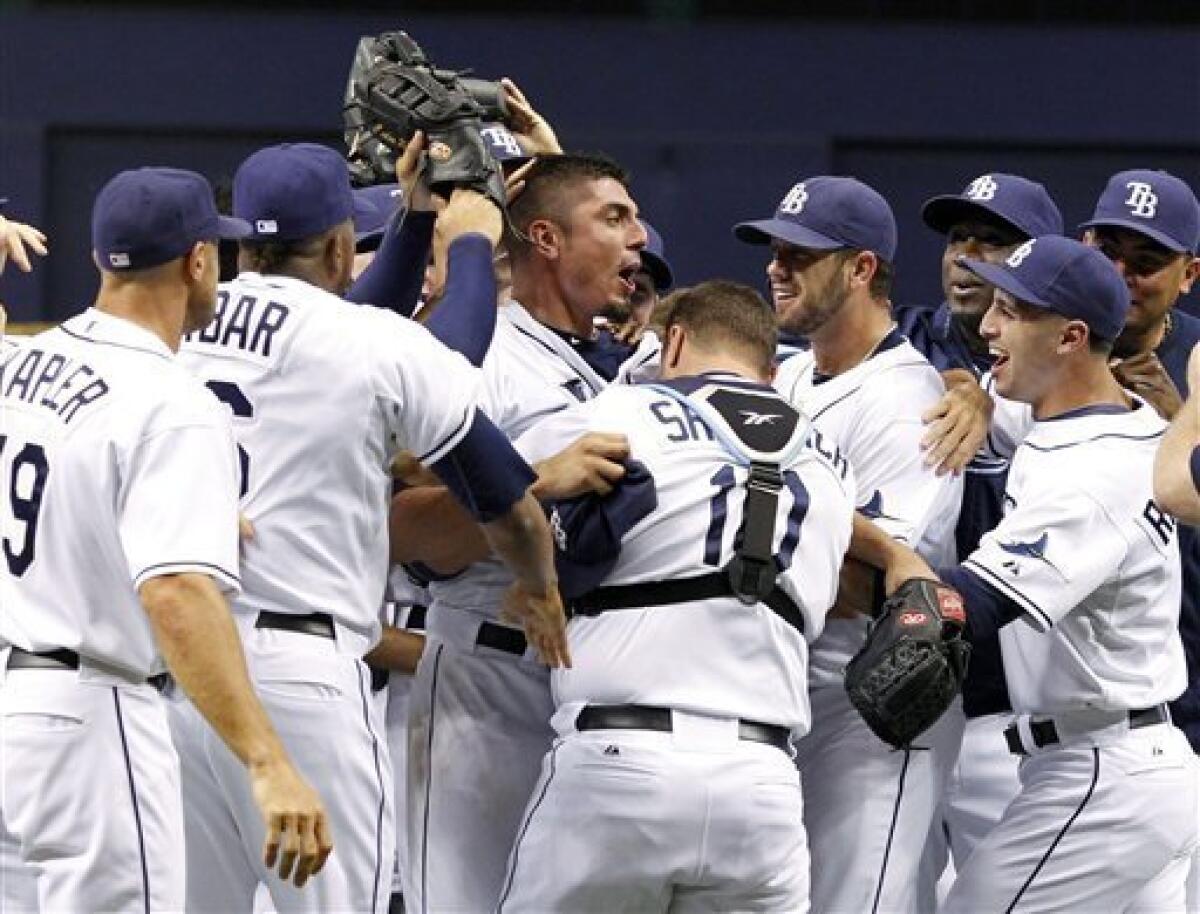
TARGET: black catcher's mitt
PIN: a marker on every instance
(913, 663)
(392, 92)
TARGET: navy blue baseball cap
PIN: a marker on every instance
(654, 259)
(375, 207)
(1154, 203)
(826, 213)
(1064, 276)
(149, 216)
(503, 146)
(1023, 204)
(293, 191)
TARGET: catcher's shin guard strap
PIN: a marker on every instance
(682, 590)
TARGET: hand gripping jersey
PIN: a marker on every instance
(719, 655)
(872, 413)
(530, 372)
(323, 394)
(665, 791)
(867, 807)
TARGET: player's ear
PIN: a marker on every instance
(1074, 336)
(862, 268)
(545, 237)
(194, 263)
(673, 348)
(1190, 274)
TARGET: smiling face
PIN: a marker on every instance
(1025, 342)
(979, 238)
(1156, 277)
(808, 287)
(598, 249)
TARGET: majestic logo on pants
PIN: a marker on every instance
(1143, 201)
(982, 188)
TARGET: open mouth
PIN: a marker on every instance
(999, 358)
(626, 275)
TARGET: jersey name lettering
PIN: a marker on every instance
(54, 382)
(246, 324)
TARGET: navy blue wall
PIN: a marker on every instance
(715, 120)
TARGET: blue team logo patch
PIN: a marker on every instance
(873, 509)
(1034, 550)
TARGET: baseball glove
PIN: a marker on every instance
(392, 92)
(913, 663)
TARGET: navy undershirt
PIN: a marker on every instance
(937, 336)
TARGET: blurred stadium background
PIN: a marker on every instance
(717, 106)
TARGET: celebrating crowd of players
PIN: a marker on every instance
(207, 492)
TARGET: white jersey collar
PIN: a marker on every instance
(96, 326)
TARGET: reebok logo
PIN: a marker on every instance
(119, 260)
(266, 226)
(752, 418)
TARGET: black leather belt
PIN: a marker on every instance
(318, 624)
(501, 638)
(416, 618)
(1044, 733)
(63, 659)
(644, 717)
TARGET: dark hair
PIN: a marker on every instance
(721, 314)
(547, 193)
(881, 282)
(272, 257)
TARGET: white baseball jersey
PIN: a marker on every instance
(324, 393)
(116, 466)
(530, 372)
(873, 413)
(1093, 562)
(715, 656)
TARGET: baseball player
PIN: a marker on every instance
(671, 785)
(323, 394)
(1082, 575)
(867, 807)
(992, 215)
(1177, 466)
(480, 704)
(118, 523)
(1147, 223)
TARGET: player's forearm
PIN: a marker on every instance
(200, 643)
(1174, 484)
(429, 525)
(860, 590)
(521, 538)
(872, 546)
(398, 650)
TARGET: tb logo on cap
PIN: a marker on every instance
(501, 138)
(1143, 201)
(794, 202)
(982, 188)
(1017, 257)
